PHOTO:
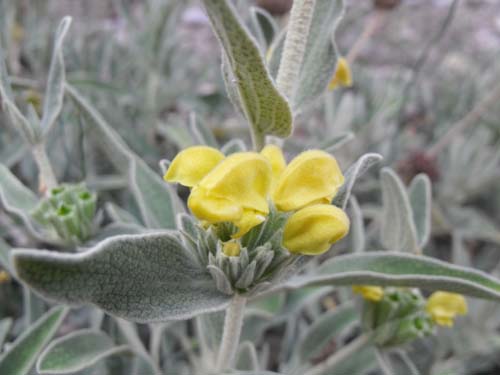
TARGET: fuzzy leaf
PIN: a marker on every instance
(201, 132)
(264, 26)
(320, 57)
(5, 325)
(143, 278)
(336, 142)
(420, 195)
(325, 329)
(76, 351)
(398, 227)
(155, 198)
(19, 359)
(247, 357)
(265, 108)
(4, 255)
(400, 269)
(357, 230)
(54, 94)
(15, 197)
(356, 170)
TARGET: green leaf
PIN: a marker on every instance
(420, 194)
(201, 132)
(77, 351)
(5, 325)
(324, 330)
(54, 93)
(264, 26)
(232, 146)
(320, 57)
(19, 359)
(356, 170)
(143, 278)
(265, 108)
(4, 255)
(471, 223)
(357, 230)
(247, 357)
(398, 227)
(156, 199)
(400, 269)
(335, 142)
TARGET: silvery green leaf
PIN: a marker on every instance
(247, 277)
(247, 357)
(157, 201)
(356, 170)
(398, 228)
(201, 133)
(221, 280)
(320, 56)
(265, 108)
(4, 255)
(15, 197)
(27, 130)
(5, 325)
(115, 229)
(274, 52)
(153, 196)
(232, 146)
(264, 27)
(420, 195)
(54, 93)
(119, 215)
(357, 229)
(472, 224)
(333, 144)
(21, 356)
(143, 278)
(209, 329)
(76, 351)
(399, 269)
(399, 362)
(187, 224)
(361, 362)
(236, 372)
(324, 330)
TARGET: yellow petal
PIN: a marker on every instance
(192, 164)
(243, 178)
(275, 156)
(313, 229)
(312, 177)
(249, 219)
(369, 292)
(342, 75)
(231, 248)
(444, 306)
(212, 209)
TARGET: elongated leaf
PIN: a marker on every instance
(19, 359)
(398, 227)
(357, 230)
(399, 269)
(155, 198)
(54, 93)
(320, 58)
(201, 132)
(264, 26)
(4, 255)
(325, 329)
(265, 108)
(15, 197)
(420, 195)
(5, 325)
(247, 357)
(336, 142)
(143, 278)
(21, 123)
(356, 170)
(471, 223)
(76, 351)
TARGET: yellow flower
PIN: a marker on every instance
(275, 156)
(313, 229)
(192, 164)
(312, 177)
(233, 189)
(444, 306)
(369, 292)
(342, 75)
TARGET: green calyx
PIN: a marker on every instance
(69, 212)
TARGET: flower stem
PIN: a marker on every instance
(47, 179)
(232, 330)
(295, 46)
(337, 357)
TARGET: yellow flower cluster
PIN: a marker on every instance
(238, 188)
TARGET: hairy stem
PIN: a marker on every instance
(232, 330)
(337, 357)
(295, 45)
(47, 179)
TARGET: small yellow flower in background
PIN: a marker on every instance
(4, 277)
(231, 249)
(312, 177)
(369, 292)
(444, 306)
(342, 75)
(313, 229)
